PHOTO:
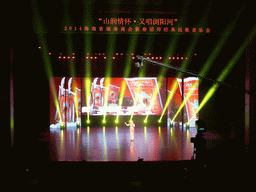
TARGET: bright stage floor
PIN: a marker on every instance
(113, 144)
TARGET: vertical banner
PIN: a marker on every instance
(175, 93)
(192, 98)
(65, 102)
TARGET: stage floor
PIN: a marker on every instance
(114, 144)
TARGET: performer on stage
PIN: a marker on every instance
(132, 126)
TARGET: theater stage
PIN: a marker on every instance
(114, 144)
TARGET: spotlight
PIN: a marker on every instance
(73, 57)
(133, 57)
(88, 121)
(113, 57)
(181, 57)
(121, 53)
(159, 121)
(160, 57)
(59, 57)
(39, 47)
(116, 121)
(105, 57)
(152, 57)
(156, 57)
(87, 57)
(50, 54)
(169, 57)
(137, 64)
(68, 57)
(178, 58)
(173, 57)
(62, 124)
(145, 121)
(104, 121)
(95, 57)
(91, 57)
(64, 57)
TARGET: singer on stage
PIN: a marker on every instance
(132, 126)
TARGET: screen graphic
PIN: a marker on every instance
(65, 102)
(124, 96)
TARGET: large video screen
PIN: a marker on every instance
(124, 96)
(70, 98)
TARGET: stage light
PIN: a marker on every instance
(145, 54)
(99, 54)
(116, 53)
(178, 58)
(149, 53)
(59, 57)
(145, 121)
(152, 57)
(87, 53)
(133, 57)
(169, 57)
(195, 54)
(186, 58)
(173, 57)
(95, 57)
(159, 121)
(91, 57)
(73, 57)
(39, 47)
(181, 57)
(88, 121)
(121, 53)
(156, 57)
(62, 125)
(116, 121)
(73, 53)
(104, 121)
(103, 53)
(132, 53)
(64, 57)
(68, 57)
(160, 57)
(87, 57)
(147, 57)
(114, 57)
(50, 54)
(105, 57)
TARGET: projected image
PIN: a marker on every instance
(65, 102)
(191, 100)
(123, 96)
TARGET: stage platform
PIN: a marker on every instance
(114, 144)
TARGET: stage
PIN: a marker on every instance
(114, 144)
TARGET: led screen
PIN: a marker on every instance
(124, 96)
